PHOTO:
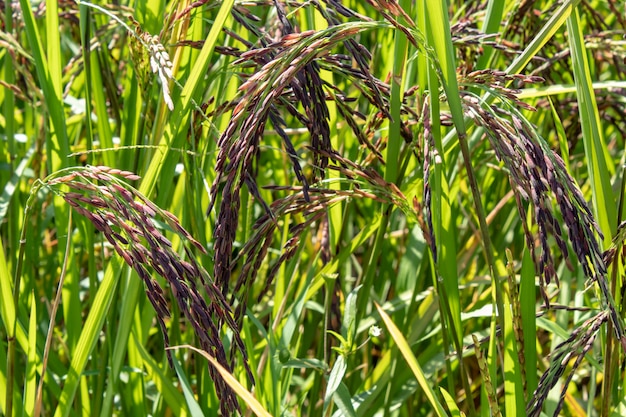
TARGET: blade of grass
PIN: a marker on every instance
(96, 92)
(163, 163)
(394, 142)
(245, 395)
(528, 299)
(89, 336)
(30, 384)
(438, 37)
(85, 36)
(137, 381)
(598, 163)
(8, 96)
(7, 308)
(129, 304)
(335, 378)
(610, 385)
(57, 140)
(450, 403)
(11, 186)
(192, 404)
(554, 89)
(49, 79)
(343, 401)
(400, 49)
(443, 227)
(411, 360)
(514, 402)
(491, 24)
(598, 166)
(8, 147)
(443, 218)
(171, 395)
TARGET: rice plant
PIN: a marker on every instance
(312, 208)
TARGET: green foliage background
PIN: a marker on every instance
(396, 245)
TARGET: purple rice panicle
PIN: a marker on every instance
(127, 220)
(538, 175)
(285, 78)
(617, 250)
(573, 349)
(280, 74)
(366, 184)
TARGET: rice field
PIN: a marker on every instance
(312, 208)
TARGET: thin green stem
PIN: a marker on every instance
(53, 313)
(484, 229)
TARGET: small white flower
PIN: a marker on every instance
(375, 331)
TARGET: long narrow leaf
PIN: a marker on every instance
(246, 396)
(411, 360)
